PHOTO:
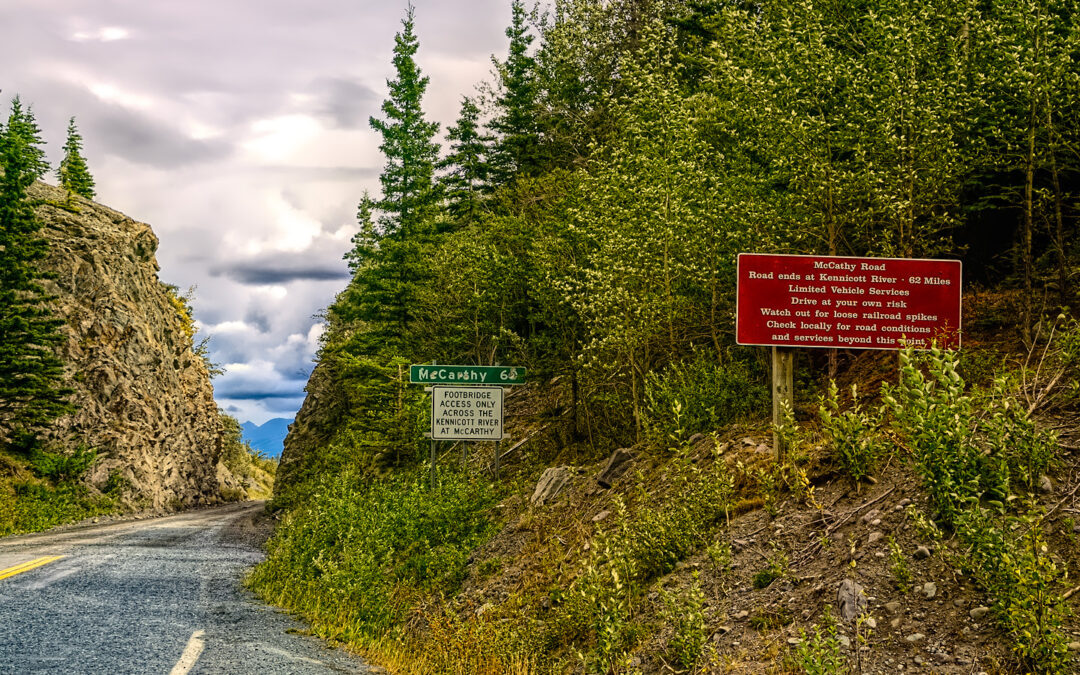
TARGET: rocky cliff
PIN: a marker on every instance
(145, 401)
(320, 415)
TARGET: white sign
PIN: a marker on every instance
(467, 413)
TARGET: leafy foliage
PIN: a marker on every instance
(344, 558)
(701, 394)
(684, 612)
(820, 653)
(59, 467)
(854, 433)
(599, 614)
(970, 475)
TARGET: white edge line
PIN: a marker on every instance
(194, 648)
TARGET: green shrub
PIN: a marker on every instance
(349, 558)
(60, 467)
(700, 394)
(32, 506)
(821, 653)
(1008, 558)
(1023, 451)
(853, 434)
(721, 556)
(935, 418)
(898, 566)
(599, 612)
(684, 612)
(117, 483)
(970, 465)
(777, 569)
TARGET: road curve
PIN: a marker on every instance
(149, 596)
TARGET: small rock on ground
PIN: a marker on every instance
(978, 613)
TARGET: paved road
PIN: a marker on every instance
(149, 596)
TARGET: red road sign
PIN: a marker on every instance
(851, 303)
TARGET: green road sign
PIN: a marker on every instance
(498, 375)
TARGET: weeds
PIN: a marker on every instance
(60, 467)
(684, 612)
(1008, 558)
(32, 506)
(600, 612)
(970, 466)
(704, 394)
(786, 430)
(720, 554)
(351, 558)
(777, 569)
(771, 619)
(898, 566)
(854, 434)
(820, 653)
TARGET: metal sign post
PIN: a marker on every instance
(466, 405)
(433, 464)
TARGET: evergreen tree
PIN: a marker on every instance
(73, 173)
(410, 198)
(466, 180)
(517, 148)
(31, 393)
(388, 264)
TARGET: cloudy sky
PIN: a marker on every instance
(238, 129)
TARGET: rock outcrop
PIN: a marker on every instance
(320, 415)
(145, 401)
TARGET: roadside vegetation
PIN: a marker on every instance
(583, 221)
(251, 468)
(40, 488)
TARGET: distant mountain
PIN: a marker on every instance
(268, 437)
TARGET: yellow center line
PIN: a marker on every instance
(27, 566)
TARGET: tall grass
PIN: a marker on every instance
(361, 553)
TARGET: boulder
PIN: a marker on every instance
(551, 483)
(850, 599)
(614, 468)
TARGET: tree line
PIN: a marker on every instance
(584, 216)
(32, 390)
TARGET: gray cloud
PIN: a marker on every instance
(242, 138)
(347, 103)
(259, 319)
(141, 140)
(266, 273)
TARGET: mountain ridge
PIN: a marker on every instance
(268, 437)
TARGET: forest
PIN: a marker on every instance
(582, 219)
(589, 229)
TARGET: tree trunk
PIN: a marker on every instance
(1059, 219)
(1026, 235)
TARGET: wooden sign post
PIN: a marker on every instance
(783, 378)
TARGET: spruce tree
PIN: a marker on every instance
(517, 145)
(31, 391)
(466, 181)
(387, 283)
(73, 173)
(410, 198)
